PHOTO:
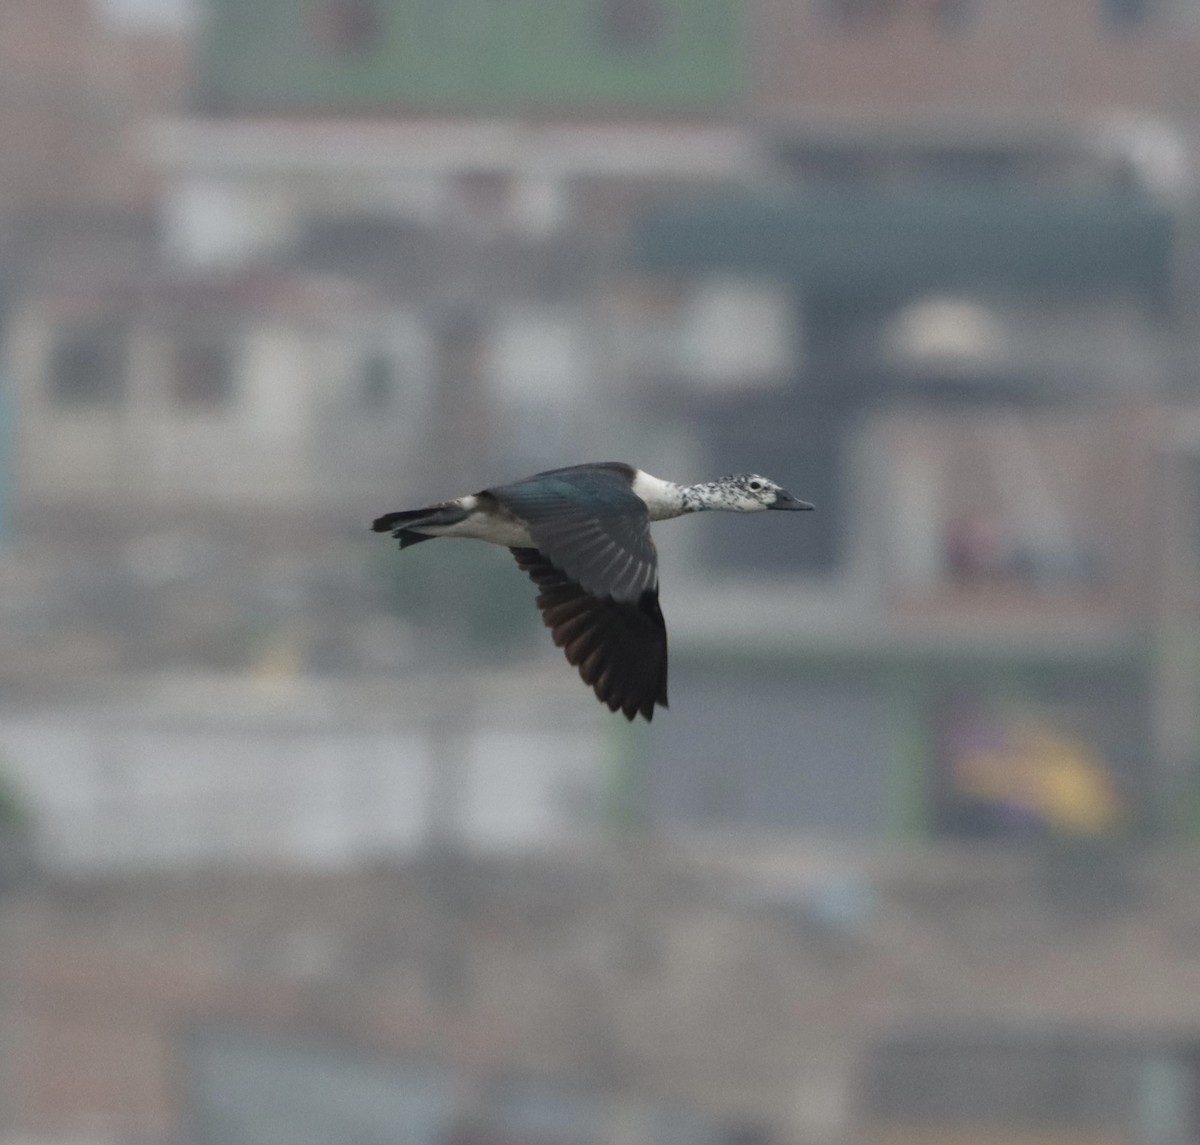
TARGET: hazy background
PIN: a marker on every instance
(303, 841)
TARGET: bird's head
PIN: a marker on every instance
(751, 493)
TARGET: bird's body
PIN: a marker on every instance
(583, 536)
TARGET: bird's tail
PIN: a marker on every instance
(405, 524)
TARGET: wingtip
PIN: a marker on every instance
(631, 714)
(643, 708)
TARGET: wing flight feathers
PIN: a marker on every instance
(618, 646)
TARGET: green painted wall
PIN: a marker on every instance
(478, 55)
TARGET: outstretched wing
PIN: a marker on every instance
(591, 526)
(619, 646)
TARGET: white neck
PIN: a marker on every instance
(664, 499)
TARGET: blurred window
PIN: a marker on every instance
(377, 383)
(952, 15)
(855, 15)
(359, 244)
(812, 758)
(484, 197)
(348, 27)
(1125, 13)
(945, 15)
(245, 1086)
(1034, 1087)
(87, 364)
(631, 24)
(202, 372)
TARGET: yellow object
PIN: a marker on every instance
(1053, 776)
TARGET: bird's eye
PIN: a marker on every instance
(756, 485)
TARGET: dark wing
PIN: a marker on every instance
(619, 647)
(592, 527)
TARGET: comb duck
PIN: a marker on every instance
(582, 534)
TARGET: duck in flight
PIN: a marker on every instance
(582, 534)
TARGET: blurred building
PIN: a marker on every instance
(483, 230)
(251, 771)
(984, 311)
(161, 393)
(863, 63)
(785, 999)
(982, 372)
(930, 264)
(78, 84)
(963, 335)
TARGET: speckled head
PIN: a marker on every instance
(751, 493)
